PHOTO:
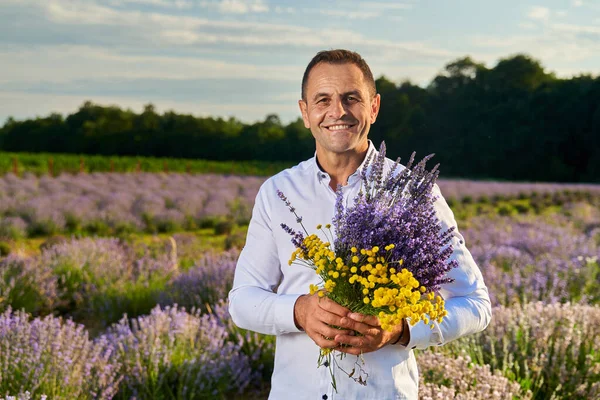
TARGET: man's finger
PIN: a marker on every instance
(331, 332)
(365, 319)
(333, 307)
(354, 341)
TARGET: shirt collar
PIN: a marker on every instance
(321, 175)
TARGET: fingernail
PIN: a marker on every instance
(354, 316)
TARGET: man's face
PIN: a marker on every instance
(339, 109)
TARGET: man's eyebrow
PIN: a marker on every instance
(320, 94)
(355, 93)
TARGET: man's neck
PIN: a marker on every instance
(340, 166)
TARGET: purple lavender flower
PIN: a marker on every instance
(172, 351)
(50, 355)
(397, 209)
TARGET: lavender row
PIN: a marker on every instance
(530, 259)
(114, 203)
(168, 354)
(32, 205)
(107, 278)
(537, 351)
(551, 349)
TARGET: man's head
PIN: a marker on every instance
(339, 56)
(339, 102)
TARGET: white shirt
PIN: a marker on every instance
(265, 289)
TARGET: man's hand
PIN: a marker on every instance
(373, 337)
(315, 314)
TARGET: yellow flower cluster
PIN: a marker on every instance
(369, 279)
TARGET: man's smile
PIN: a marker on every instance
(339, 127)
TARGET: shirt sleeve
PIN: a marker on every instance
(466, 298)
(253, 301)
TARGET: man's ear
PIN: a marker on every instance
(304, 110)
(375, 104)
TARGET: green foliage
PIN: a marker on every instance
(5, 249)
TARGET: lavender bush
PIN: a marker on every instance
(172, 354)
(446, 378)
(550, 349)
(206, 283)
(258, 347)
(26, 284)
(530, 260)
(54, 357)
(102, 277)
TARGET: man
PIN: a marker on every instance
(339, 103)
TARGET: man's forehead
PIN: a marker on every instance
(328, 77)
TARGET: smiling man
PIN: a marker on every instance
(339, 103)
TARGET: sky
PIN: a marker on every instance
(245, 58)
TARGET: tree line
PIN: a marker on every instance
(514, 121)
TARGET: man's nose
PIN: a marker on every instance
(337, 109)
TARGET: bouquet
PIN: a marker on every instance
(390, 253)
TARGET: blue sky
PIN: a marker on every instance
(245, 58)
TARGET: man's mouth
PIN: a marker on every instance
(339, 127)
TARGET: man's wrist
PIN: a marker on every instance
(296, 313)
(404, 337)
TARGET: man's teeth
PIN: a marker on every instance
(338, 127)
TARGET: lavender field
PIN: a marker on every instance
(103, 315)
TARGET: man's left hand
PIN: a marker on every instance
(373, 336)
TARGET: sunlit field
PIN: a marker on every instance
(114, 286)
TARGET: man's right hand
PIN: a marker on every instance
(315, 314)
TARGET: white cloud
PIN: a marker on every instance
(283, 10)
(577, 3)
(351, 14)
(62, 63)
(385, 6)
(237, 6)
(145, 31)
(539, 13)
(179, 4)
(595, 30)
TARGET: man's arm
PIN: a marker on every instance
(253, 304)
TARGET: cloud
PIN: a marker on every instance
(178, 4)
(76, 62)
(237, 6)
(385, 6)
(577, 3)
(350, 14)
(87, 21)
(539, 13)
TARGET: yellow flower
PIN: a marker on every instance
(354, 249)
(319, 226)
(328, 226)
(366, 300)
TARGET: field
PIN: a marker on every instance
(113, 285)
